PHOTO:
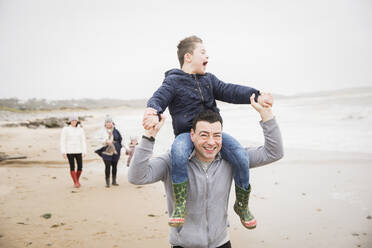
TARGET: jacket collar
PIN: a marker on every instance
(179, 72)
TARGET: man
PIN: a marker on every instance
(210, 176)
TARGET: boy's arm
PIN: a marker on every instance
(232, 93)
(162, 97)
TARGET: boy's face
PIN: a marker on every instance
(199, 59)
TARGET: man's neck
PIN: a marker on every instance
(202, 159)
(204, 164)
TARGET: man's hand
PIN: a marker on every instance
(150, 118)
(265, 112)
(153, 131)
(265, 100)
(64, 155)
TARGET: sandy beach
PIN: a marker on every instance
(318, 195)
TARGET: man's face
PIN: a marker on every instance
(199, 59)
(207, 139)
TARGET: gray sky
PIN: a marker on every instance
(121, 49)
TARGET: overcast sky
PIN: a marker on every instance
(121, 49)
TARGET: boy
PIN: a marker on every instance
(187, 92)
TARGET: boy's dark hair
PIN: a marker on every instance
(187, 45)
(208, 116)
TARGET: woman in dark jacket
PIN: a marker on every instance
(111, 140)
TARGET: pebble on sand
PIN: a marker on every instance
(46, 216)
(368, 217)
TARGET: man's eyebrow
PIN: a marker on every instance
(206, 132)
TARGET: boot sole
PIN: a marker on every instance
(249, 225)
(176, 222)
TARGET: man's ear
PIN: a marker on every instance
(192, 135)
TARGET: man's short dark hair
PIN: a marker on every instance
(208, 116)
(187, 45)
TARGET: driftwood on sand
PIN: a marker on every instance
(4, 157)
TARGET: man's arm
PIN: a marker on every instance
(272, 150)
(144, 169)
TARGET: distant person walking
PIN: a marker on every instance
(73, 147)
(111, 141)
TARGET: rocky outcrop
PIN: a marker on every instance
(50, 122)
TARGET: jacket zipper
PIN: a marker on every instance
(200, 91)
(206, 204)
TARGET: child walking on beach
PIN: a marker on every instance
(130, 150)
(187, 92)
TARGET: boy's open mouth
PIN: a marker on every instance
(205, 63)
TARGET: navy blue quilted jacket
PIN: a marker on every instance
(188, 94)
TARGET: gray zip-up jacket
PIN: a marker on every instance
(208, 192)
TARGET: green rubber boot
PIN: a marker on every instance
(241, 207)
(179, 213)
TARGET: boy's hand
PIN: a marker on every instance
(150, 118)
(266, 100)
(153, 131)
